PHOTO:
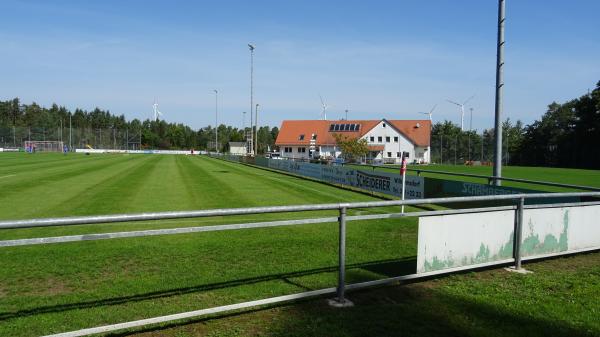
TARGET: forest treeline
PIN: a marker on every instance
(567, 135)
(157, 134)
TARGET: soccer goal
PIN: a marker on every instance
(43, 146)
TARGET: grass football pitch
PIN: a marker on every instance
(61, 287)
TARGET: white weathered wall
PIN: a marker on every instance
(447, 241)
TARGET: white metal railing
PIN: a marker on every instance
(342, 219)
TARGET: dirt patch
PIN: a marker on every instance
(50, 286)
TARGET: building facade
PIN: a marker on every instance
(387, 139)
(237, 148)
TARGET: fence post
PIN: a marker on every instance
(518, 233)
(342, 255)
(340, 300)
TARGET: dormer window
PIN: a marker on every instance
(314, 136)
(301, 137)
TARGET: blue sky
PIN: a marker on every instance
(379, 59)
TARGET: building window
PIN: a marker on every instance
(383, 125)
(387, 139)
(389, 155)
(314, 136)
(379, 139)
(398, 154)
(287, 149)
(301, 150)
(301, 137)
(372, 139)
(395, 139)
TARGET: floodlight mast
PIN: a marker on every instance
(251, 147)
(256, 124)
(499, 91)
(216, 120)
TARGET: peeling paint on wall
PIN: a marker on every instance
(456, 240)
(532, 245)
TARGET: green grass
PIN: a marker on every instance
(61, 287)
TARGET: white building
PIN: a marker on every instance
(237, 148)
(387, 139)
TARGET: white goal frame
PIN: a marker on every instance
(43, 146)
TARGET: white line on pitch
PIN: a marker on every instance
(8, 176)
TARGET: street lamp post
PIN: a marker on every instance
(216, 120)
(70, 134)
(470, 129)
(252, 141)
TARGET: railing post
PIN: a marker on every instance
(518, 233)
(340, 300)
(342, 255)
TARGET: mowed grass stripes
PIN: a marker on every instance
(59, 287)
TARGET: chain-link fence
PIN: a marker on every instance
(120, 139)
(463, 148)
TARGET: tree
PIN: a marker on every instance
(352, 148)
(566, 135)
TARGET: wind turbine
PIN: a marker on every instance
(155, 109)
(324, 107)
(429, 113)
(462, 110)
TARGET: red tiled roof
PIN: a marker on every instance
(291, 131)
(420, 135)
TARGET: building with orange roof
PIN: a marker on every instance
(387, 139)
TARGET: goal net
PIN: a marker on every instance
(43, 146)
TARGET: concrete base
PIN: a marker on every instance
(519, 271)
(334, 302)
